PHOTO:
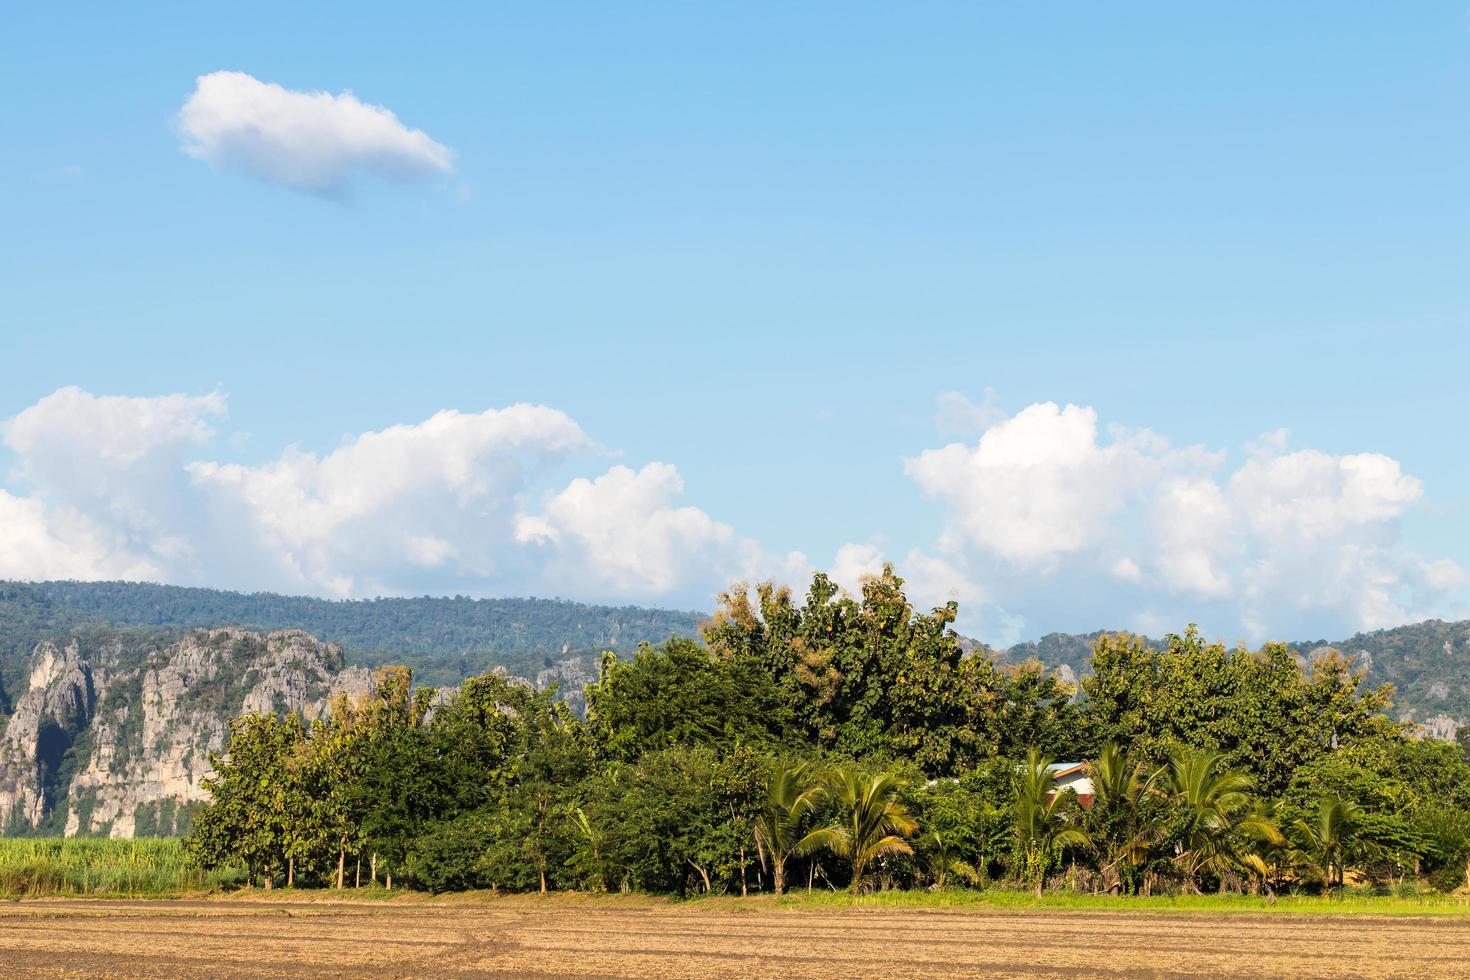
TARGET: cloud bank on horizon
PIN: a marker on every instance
(1039, 510)
(307, 141)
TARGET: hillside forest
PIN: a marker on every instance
(839, 742)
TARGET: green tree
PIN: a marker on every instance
(862, 677)
(252, 815)
(967, 820)
(682, 694)
(782, 825)
(1043, 829)
(873, 822)
(1216, 819)
(1263, 711)
(1325, 843)
(1126, 817)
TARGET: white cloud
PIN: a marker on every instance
(959, 416)
(387, 508)
(1041, 504)
(308, 141)
(1194, 536)
(1126, 569)
(1039, 485)
(625, 533)
(61, 545)
(1443, 574)
(112, 466)
(461, 502)
(1047, 521)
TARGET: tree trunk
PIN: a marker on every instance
(390, 881)
(375, 868)
(269, 875)
(811, 872)
(742, 870)
(341, 866)
(357, 883)
(291, 871)
(778, 874)
(543, 880)
(703, 874)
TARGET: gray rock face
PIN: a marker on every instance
(140, 728)
(58, 702)
(570, 677)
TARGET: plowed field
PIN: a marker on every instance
(592, 938)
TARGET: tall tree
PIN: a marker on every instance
(1042, 824)
(782, 825)
(1324, 842)
(873, 822)
(1124, 822)
(1215, 814)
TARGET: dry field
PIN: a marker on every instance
(624, 939)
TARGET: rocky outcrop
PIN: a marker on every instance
(118, 739)
(570, 677)
(57, 705)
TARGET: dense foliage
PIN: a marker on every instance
(852, 743)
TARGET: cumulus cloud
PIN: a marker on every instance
(1040, 485)
(626, 533)
(434, 501)
(930, 580)
(35, 544)
(1048, 520)
(460, 502)
(957, 415)
(1043, 504)
(109, 471)
(308, 141)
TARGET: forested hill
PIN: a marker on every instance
(444, 639)
(1428, 664)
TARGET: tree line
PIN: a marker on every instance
(851, 743)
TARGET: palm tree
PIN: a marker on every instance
(1216, 815)
(1120, 823)
(791, 799)
(937, 851)
(1324, 842)
(1042, 830)
(874, 821)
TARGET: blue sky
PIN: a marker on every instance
(759, 244)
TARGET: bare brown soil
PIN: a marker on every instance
(628, 939)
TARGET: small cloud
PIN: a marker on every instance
(959, 416)
(307, 141)
(1127, 570)
(71, 171)
(1269, 444)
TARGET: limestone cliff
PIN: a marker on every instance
(113, 735)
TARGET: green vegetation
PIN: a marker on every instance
(1353, 903)
(1424, 662)
(102, 867)
(851, 744)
